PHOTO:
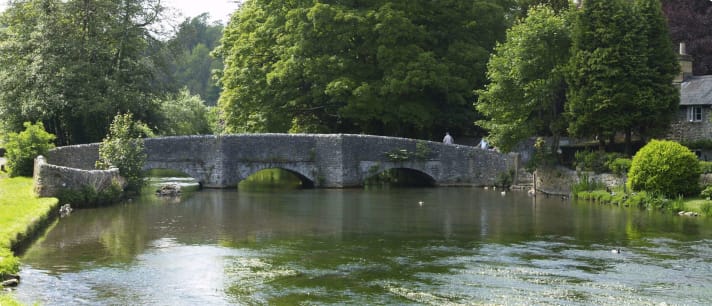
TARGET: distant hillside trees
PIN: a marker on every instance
(192, 65)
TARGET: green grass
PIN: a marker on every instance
(701, 206)
(7, 300)
(20, 214)
(645, 200)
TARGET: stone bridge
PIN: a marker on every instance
(319, 160)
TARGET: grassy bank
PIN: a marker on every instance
(21, 214)
(649, 201)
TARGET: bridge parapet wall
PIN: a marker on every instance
(327, 160)
(197, 156)
(366, 155)
(82, 156)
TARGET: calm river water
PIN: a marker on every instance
(356, 246)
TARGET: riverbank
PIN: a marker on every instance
(618, 197)
(21, 216)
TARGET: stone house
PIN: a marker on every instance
(693, 122)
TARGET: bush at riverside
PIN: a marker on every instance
(23, 147)
(665, 167)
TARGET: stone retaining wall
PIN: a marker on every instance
(51, 179)
(560, 180)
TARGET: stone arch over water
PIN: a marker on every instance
(307, 180)
(417, 176)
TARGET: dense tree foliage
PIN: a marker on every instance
(74, 64)
(658, 99)
(690, 21)
(192, 64)
(620, 73)
(398, 67)
(665, 167)
(525, 5)
(24, 147)
(526, 95)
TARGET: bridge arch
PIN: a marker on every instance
(307, 181)
(403, 176)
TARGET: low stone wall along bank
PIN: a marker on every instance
(50, 179)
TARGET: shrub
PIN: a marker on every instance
(595, 161)
(705, 166)
(707, 192)
(665, 167)
(620, 166)
(22, 148)
(123, 148)
(586, 184)
(706, 208)
(89, 197)
(505, 179)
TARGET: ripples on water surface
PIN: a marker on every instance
(461, 246)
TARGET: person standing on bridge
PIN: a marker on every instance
(483, 144)
(448, 139)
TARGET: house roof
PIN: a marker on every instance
(697, 90)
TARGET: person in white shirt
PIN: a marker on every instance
(448, 139)
(483, 144)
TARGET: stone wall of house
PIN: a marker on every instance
(682, 130)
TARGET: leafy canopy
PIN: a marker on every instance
(399, 67)
(526, 93)
(73, 64)
(621, 70)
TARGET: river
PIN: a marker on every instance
(368, 246)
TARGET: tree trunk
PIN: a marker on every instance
(628, 145)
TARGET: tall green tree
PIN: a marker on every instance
(527, 91)
(400, 67)
(621, 70)
(74, 64)
(599, 76)
(659, 98)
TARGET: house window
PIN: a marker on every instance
(694, 113)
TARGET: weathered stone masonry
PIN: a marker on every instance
(331, 161)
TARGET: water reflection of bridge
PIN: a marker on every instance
(320, 160)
